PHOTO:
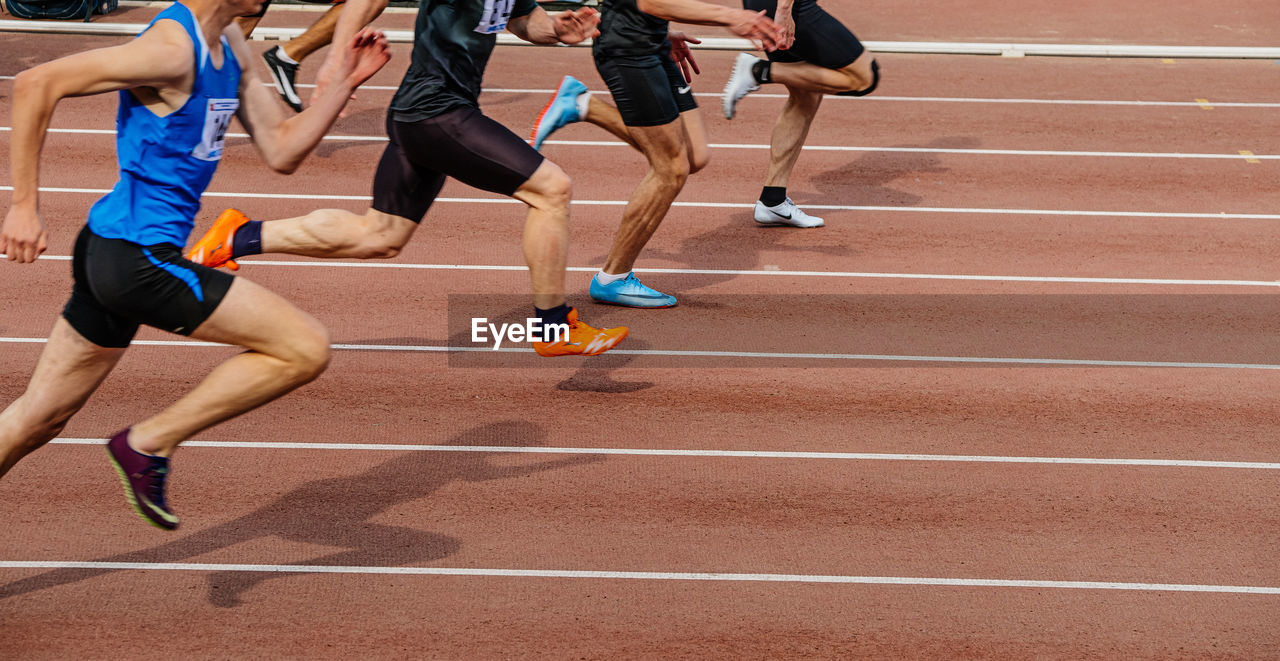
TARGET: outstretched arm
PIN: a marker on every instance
(284, 143)
(755, 26)
(356, 14)
(162, 58)
(569, 27)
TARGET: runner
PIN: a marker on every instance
(283, 60)
(649, 71)
(180, 83)
(820, 56)
(437, 130)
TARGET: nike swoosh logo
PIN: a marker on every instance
(682, 90)
(786, 217)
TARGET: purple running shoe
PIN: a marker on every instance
(143, 477)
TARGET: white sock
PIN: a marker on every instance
(584, 100)
(283, 56)
(606, 278)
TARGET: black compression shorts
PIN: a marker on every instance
(648, 90)
(461, 143)
(267, 3)
(120, 285)
(820, 38)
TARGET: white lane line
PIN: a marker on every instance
(800, 274)
(1173, 282)
(310, 8)
(643, 576)
(890, 99)
(916, 99)
(727, 454)
(1006, 49)
(734, 205)
(1235, 156)
(758, 355)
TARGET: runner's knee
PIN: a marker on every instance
(382, 238)
(862, 81)
(44, 425)
(698, 159)
(550, 187)
(675, 170)
(557, 187)
(308, 354)
(671, 162)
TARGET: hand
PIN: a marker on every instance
(22, 236)
(574, 27)
(786, 29)
(367, 54)
(757, 27)
(682, 55)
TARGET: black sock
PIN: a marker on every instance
(761, 71)
(772, 196)
(247, 240)
(557, 315)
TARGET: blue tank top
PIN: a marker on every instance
(167, 162)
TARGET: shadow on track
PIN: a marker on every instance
(338, 512)
(867, 180)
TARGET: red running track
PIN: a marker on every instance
(479, 508)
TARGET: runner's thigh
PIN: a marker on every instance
(467, 145)
(256, 318)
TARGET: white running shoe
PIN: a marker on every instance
(740, 84)
(786, 213)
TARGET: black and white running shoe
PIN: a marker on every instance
(282, 74)
(786, 213)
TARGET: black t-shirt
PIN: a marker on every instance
(452, 41)
(625, 31)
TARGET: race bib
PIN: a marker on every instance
(495, 16)
(217, 118)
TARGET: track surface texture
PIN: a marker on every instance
(888, 464)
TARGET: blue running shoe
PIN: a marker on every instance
(629, 292)
(562, 109)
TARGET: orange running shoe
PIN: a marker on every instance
(214, 248)
(583, 340)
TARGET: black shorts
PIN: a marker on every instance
(461, 143)
(648, 90)
(267, 3)
(820, 38)
(120, 285)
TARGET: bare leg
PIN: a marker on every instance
(608, 118)
(316, 37)
(546, 232)
(789, 134)
(805, 76)
(286, 349)
(667, 152)
(247, 24)
(338, 233)
(70, 369)
(695, 138)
